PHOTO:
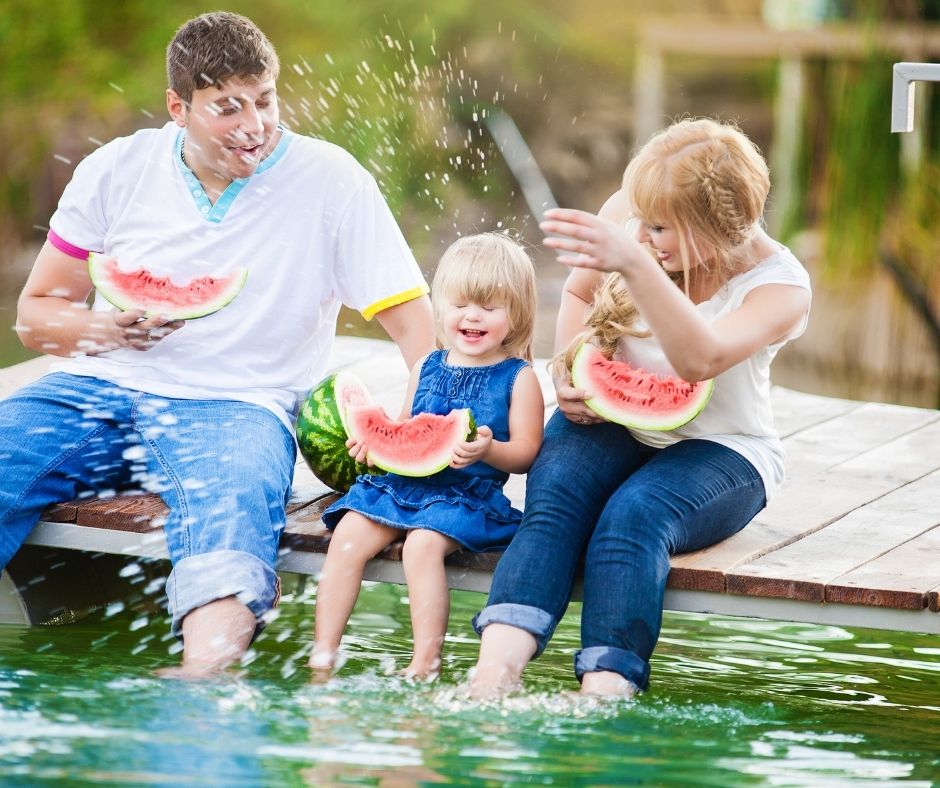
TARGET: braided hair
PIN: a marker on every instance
(710, 182)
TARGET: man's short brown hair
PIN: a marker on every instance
(215, 47)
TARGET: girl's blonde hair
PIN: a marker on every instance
(708, 181)
(489, 268)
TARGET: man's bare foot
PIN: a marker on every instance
(194, 671)
(605, 683)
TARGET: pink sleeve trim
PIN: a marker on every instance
(64, 246)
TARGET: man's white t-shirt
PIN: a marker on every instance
(739, 414)
(310, 225)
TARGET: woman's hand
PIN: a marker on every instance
(468, 452)
(595, 243)
(571, 403)
(132, 330)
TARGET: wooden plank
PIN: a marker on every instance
(795, 411)
(933, 598)
(703, 37)
(803, 569)
(135, 513)
(62, 512)
(305, 531)
(305, 488)
(844, 437)
(801, 508)
(848, 456)
(18, 375)
(896, 579)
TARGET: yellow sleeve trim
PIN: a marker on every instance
(400, 298)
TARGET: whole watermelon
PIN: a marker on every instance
(321, 429)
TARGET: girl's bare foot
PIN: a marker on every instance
(323, 664)
(422, 670)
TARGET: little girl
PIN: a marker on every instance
(484, 304)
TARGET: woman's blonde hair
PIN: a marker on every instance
(611, 316)
(707, 180)
(489, 268)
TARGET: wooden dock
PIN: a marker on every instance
(852, 539)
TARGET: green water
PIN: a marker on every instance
(733, 702)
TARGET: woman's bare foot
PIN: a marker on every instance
(605, 683)
(504, 652)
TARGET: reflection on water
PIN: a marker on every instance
(733, 701)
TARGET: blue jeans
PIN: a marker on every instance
(596, 493)
(223, 469)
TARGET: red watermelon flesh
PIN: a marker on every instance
(159, 295)
(634, 397)
(419, 446)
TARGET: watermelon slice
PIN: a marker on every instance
(419, 446)
(322, 433)
(634, 397)
(158, 295)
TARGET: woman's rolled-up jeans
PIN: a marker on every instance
(597, 492)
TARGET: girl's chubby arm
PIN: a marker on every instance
(357, 449)
(53, 316)
(696, 348)
(526, 423)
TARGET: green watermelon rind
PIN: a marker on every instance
(99, 278)
(321, 433)
(463, 429)
(609, 411)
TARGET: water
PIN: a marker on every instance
(733, 702)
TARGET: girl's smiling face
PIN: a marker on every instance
(475, 332)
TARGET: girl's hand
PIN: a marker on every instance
(468, 452)
(131, 329)
(358, 451)
(596, 243)
(571, 403)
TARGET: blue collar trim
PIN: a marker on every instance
(216, 213)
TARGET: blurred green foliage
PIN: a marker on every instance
(385, 80)
(403, 85)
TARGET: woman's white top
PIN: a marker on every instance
(739, 413)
